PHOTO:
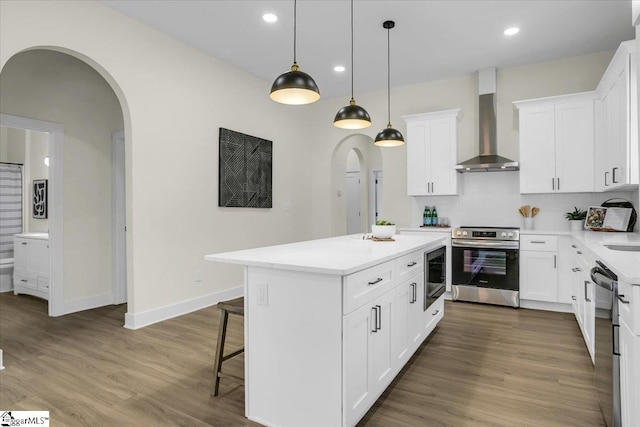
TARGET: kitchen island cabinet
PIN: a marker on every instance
(325, 332)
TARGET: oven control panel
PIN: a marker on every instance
(486, 233)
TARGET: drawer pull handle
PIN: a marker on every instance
(24, 243)
(586, 291)
(578, 269)
(622, 300)
(411, 264)
(23, 280)
(378, 280)
(574, 246)
(435, 312)
(573, 297)
(579, 253)
(538, 241)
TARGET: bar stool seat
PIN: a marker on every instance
(233, 306)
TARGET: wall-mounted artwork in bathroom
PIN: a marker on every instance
(40, 198)
(245, 168)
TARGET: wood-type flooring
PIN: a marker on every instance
(483, 366)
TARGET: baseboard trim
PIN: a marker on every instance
(87, 303)
(547, 306)
(149, 317)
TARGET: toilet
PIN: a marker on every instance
(6, 275)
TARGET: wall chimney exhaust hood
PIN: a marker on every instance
(488, 160)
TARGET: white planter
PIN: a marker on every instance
(576, 224)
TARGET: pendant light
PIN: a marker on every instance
(294, 87)
(389, 137)
(352, 116)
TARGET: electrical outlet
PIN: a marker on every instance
(263, 294)
(198, 276)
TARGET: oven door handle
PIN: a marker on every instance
(461, 243)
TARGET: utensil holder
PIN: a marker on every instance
(528, 223)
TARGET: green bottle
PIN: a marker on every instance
(425, 216)
(434, 217)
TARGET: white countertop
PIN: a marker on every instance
(341, 255)
(625, 264)
(38, 236)
(426, 229)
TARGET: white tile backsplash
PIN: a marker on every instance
(493, 199)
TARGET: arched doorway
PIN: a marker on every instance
(354, 158)
(70, 90)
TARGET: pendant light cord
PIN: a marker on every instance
(352, 50)
(388, 77)
(295, 15)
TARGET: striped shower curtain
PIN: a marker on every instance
(10, 207)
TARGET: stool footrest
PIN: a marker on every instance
(230, 355)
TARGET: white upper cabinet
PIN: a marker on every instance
(617, 123)
(557, 144)
(432, 153)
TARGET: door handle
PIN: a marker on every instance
(432, 188)
(413, 292)
(574, 246)
(555, 261)
(622, 300)
(379, 317)
(411, 264)
(558, 184)
(553, 184)
(573, 297)
(375, 319)
(435, 312)
(586, 282)
(605, 179)
(613, 173)
(378, 280)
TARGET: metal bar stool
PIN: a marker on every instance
(234, 306)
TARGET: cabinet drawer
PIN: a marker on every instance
(25, 281)
(362, 287)
(539, 243)
(629, 305)
(409, 265)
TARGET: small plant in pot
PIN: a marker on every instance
(383, 229)
(576, 218)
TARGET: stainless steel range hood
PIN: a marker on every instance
(488, 160)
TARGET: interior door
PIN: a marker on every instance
(353, 203)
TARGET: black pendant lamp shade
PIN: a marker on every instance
(294, 87)
(389, 137)
(352, 116)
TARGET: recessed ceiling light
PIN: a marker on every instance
(269, 17)
(511, 31)
(338, 68)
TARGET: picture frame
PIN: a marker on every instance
(40, 198)
(601, 218)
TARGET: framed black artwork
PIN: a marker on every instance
(40, 195)
(245, 170)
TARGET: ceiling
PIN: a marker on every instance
(432, 39)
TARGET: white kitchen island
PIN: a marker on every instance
(329, 323)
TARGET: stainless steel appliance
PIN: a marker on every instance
(607, 351)
(485, 265)
(435, 274)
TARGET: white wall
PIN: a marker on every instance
(558, 77)
(174, 99)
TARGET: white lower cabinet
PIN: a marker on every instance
(381, 335)
(31, 265)
(629, 376)
(583, 296)
(539, 268)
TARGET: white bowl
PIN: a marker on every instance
(383, 231)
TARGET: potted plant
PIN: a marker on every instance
(576, 218)
(383, 229)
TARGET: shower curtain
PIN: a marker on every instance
(10, 207)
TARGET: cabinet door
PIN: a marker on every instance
(603, 143)
(358, 381)
(416, 310)
(20, 254)
(39, 257)
(537, 150)
(382, 360)
(619, 127)
(442, 157)
(574, 131)
(538, 276)
(589, 314)
(401, 326)
(629, 376)
(418, 177)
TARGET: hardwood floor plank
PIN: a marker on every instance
(483, 366)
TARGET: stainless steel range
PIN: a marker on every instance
(485, 265)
